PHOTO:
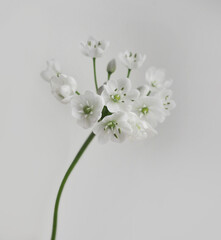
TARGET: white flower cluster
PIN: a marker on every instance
(117, 111)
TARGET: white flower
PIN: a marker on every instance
(140, 129)
(166, 97)
(118, 94)
(87, 108)
(52, 69)
(156, 79)
(132, 61)
(93, 48)
(63, 87)
(149, 109)
(114, 127)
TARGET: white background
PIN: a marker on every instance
(165, 188)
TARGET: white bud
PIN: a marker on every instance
(111, 66)
(101, 89)
(65, 90)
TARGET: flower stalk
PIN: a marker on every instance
(95, 75)
(108, 76)
(67, 174)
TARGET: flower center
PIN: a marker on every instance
(116, 97)
(144, 110)
(87, 109)
(110, 125)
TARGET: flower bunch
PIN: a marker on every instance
(117, 110)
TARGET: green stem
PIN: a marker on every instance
(95, 75)
(128, 73)
(108, 76)
(67, 174)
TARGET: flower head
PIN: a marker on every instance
(149, 109)
(118, 94)
(87, 108)
(140, 129)
(156, 79)
(53, 69)
(63, 87)
(93, 48)
(114, 127)
(166, 96)
(132, 61)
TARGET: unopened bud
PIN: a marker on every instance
(65, 90)
(101, 89)
(111, 66)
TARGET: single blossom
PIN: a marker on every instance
(140, 129)
(119, 95)
(93, 48)
(87, 108)
(63, 87)
(156, 79)
(114, 127)
(166, 96)
(53, 69)
(132, 61)
(149, 109)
